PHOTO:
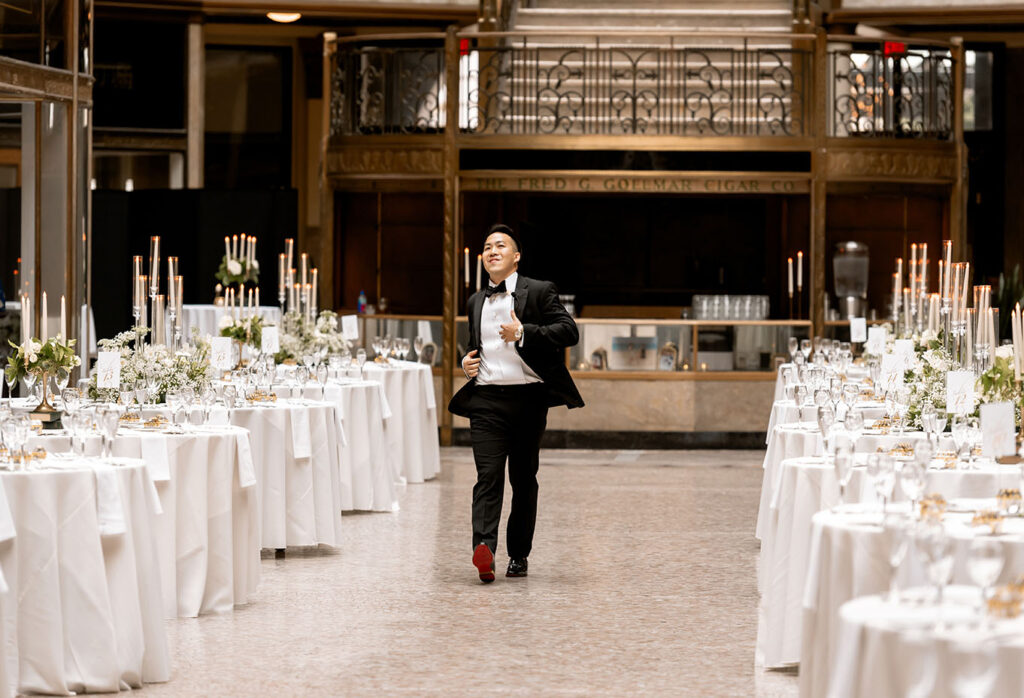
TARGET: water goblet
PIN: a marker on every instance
(800, 395)
(842, 463)
(851, 393)
(301, 377)
(109, 418)
(854, 425)
(985, 562)
(936, 548)
(912, 481)
(207, 398)
(321, 374)
(417, 345)
(70, 399)
(794, 347)
(805, 348)
(897, 534)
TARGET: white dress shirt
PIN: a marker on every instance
(501, 364)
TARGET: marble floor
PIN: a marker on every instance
(642, 582)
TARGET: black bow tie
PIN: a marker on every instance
(491, 290)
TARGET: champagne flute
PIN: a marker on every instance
(360, 361)
(842, 463)
(826, 420)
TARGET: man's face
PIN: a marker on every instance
(500, 255)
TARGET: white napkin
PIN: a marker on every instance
(109, 508)
(301, 439)
(428, 384)
(246, 468)
(154, 452)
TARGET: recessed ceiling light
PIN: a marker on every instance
(284, 17)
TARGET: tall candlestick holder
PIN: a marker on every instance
(799, 302)
(790, 305)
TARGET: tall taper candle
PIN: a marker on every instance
(800, 270)
(924, 267)
(280, 274)
(44, 322)
(227, 247)
(913, 269)
(947, 255)
(304, 274)
(63, 320)
(789, 265)
(257, 300)
(26, 317)
(465, 272)
(479, 270)
(154, 265)
(289, 248)
(313, 291)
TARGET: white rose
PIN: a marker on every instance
(255, 265)
(1004, 352)
(225, 322)
(234, 267)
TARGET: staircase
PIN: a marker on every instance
(652, 82)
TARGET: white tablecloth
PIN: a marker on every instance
(849, 558)
(806, 486)
(208, 536)
(895, 650)
(367, 476)
(787, 412)
(411, 432)
(296, 449)
(82, 609)
(205, 318)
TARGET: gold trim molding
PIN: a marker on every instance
(891, 164)
(375, 161)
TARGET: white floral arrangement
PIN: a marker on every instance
(302, 337)
(237, 270)
(187, 368)
(926, 377)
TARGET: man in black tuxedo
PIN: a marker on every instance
(518, 331)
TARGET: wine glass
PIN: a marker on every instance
(817, 344)
(109, 418)
(404, 349)
(80, 424)
(376, 345)
(985, 561)
(897, 534)
(800, 395)
(153, 385)
(321, 374)
(842, 463)
(902, 407)
(18, 431)
(973, 439)
(70, 399)
(875, 373)
(912, 481)
(417, 344)
(880, 474)
(11, 382)
(188, 398)
(821, 397)
(826, 420)
(207, 398)
(794, 347)
(360, 361)
(854, 425)
(301, 377)
(851, 393)
(805, 348)
(959, 430)
(61, 378)
(936, 547)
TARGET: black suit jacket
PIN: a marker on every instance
(547, 330)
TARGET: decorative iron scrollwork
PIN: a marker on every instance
(904, 95)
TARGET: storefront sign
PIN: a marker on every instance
(636, 183)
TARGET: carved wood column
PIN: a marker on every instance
(958, 193)
(325, 252)
(819, 116)
(451, 233)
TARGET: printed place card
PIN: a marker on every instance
(904, 348)
(220, 353)
(959, 392)
(350, 327)
(858, 329)
(108, 370)
(877, 337)
(998, 436)
(423, 330)
(270, 340)
(891, 376)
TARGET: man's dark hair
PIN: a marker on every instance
(502, 228)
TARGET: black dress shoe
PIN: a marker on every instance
(483, 560)
(516, 567)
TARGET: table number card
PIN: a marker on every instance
(891, 376)
(220, 353)
(350, 327)
(904, 348)
(108, 370)
(270, 340)
(959, 392)
(423, 330)
(998, 436)
(877, 337)
(858, 330)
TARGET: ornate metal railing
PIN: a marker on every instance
(643, 90)
(745, 88)
(387, 89)
(891, 92)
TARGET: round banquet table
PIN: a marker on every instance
(296, 448)
(78, 554)
(896, 650)
(849, 558)
(411, 431)
(786, 412)
(205, 318)
(804, 439)
(208, 536)
(808, 485)
(367, 478)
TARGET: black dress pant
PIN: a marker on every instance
(506, 424)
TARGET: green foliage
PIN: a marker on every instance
(247, 331)
(35, 358)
